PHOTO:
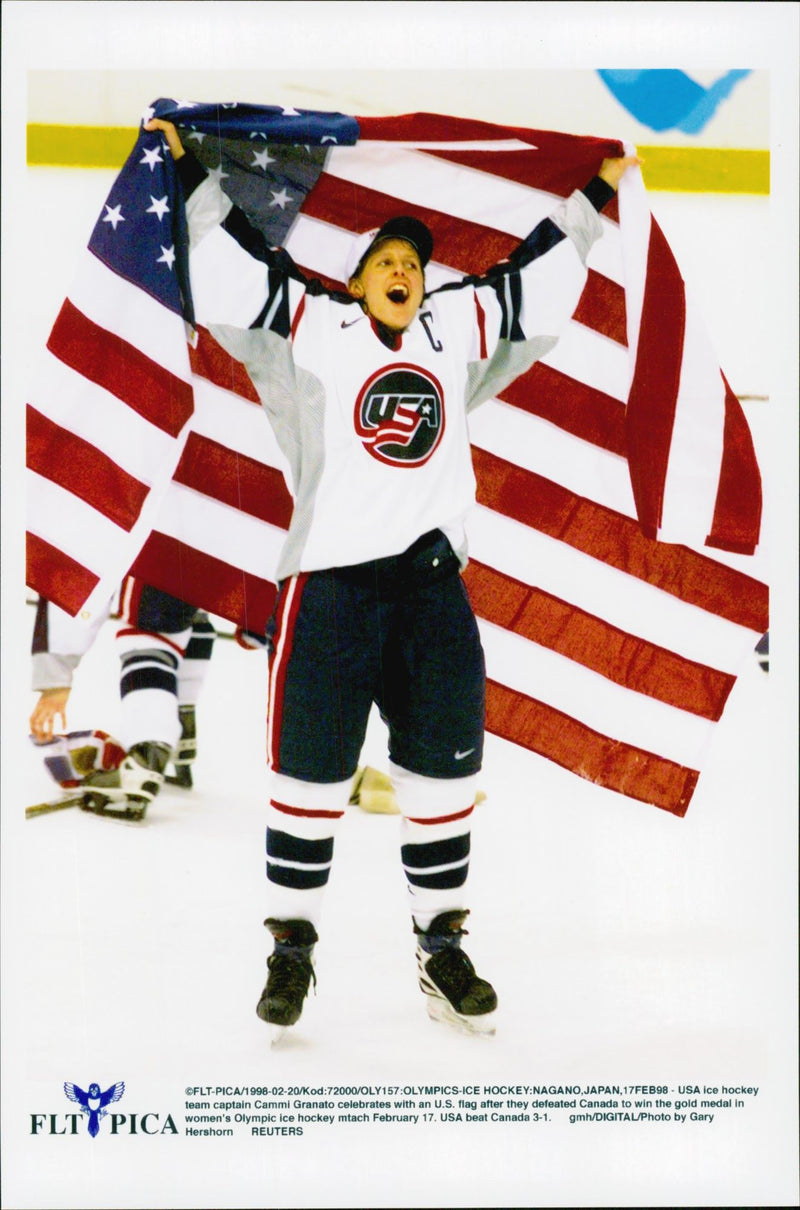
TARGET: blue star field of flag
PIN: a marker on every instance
(266, 158)
(141, 233)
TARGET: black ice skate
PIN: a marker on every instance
(291, 970)
(125, 793)
(453, 991)
(185, 751)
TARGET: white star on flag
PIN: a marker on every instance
(159, 207)
(167, 256)
(290, 112)
(257, 134)
(113, 216)
(280, 199)
(186, 104)
(196, 134)
(151, 158)
(217, 173)
(262, 158)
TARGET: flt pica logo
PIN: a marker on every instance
(93, 1108)
(93, 1103)
(399, 415)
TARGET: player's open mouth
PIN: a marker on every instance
(398, 294)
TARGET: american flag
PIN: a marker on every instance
(618, 490)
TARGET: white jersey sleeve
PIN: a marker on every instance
(59, 643)
(522, 305)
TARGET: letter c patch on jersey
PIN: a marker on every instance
(399, 415)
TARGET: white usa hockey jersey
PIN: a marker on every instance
(376, 438)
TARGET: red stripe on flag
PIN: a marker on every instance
(623, 658)
(235, 479)
(481, 315)
(601, 307)
(571, 405)
(561, 160)
(573, 167)
(298, 316)
(557, 164)
(737, 512)
(464, 246)
(119, 367)
(654, 391)
(84, 470)
(210, 361)
(205, 581)
(617, 541)
(600, 759)
(55, 576)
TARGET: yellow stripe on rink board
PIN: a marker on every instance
(671, 169)
(705, 169)
(80, 146)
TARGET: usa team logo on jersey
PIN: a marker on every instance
(399, 415)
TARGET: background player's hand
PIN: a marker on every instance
(52, 704)
(613, 170)
(170, 134)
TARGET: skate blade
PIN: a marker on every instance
(276, 1034)
(483, 1025)
(116, 808)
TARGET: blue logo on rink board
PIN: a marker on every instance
(670, 100)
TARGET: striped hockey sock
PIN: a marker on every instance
(302, 821)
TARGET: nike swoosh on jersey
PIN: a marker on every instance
(348, 323)
(461, 755)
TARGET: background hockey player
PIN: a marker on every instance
(164, 646)
(368, 394)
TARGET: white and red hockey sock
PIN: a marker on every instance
(149, 686)
(302, 821)
(435, 840)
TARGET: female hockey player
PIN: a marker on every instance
(368, 394)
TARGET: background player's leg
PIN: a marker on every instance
(151, 639)
(191, 677)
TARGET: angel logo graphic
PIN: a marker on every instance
(93, 1103)
(399, 415)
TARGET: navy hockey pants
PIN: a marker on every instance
(399, 632)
